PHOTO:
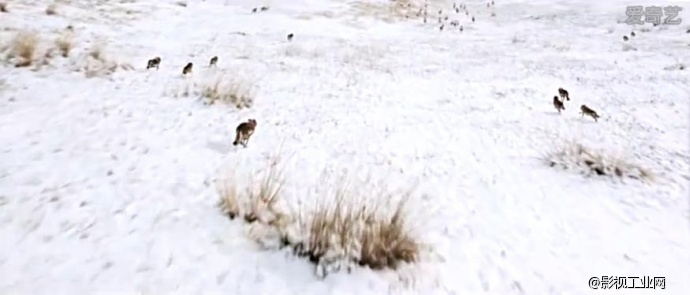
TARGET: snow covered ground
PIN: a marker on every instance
(105, 182)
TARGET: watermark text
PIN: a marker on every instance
(657, 15)
(615, 282)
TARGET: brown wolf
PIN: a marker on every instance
(564, 94)
(187, 69)
(584, 110)
(244, 131)
(153, 63)
(558, 104)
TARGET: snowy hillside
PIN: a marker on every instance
(109, 171)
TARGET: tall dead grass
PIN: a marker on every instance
(350, 225)
(97, 61)
(358, 228)
(65, 43)
(257, 199)
(228, 89)
(23, 48)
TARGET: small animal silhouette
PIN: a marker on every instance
(632, 34)
(254, 10)
(244, 131)
(213, 62)
(264, 8)
(558, 104)
(473, 19)
(625, 38)
(187, 69)
(586, 111)
(290, 36)
(153, 63)
(563, 94)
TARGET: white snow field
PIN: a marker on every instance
(106, 177)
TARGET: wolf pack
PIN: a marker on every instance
(559, 104)
(245, 130)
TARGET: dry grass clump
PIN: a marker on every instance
(257, 205)
(358, 230)
(229, 202)
(96, 62)
(23, 48)
(65, 43)
(353, 228)
(51, 9)
(389, 11)
(575, 156)
(258, 201)
(228, 90)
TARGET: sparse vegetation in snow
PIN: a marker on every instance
(358, 227)
(65, 43)
(572, 155)
(228, 89)
(350, 225)
(98, 62)
(23, 48)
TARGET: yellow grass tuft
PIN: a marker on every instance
(96, 62)
(258, 200)
(343, 225)
(65, 43)
(362, 228)
(228, 90)
(23, 48)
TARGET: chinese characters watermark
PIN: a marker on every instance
(614, 282)
(639, 15)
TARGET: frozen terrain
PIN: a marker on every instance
(105, 181)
